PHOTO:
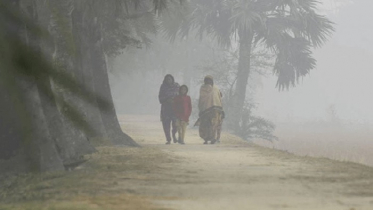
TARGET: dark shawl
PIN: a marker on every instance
(166, 93)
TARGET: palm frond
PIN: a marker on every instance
(294, 60)
(160, 5)
(316, 28)
(245, 14)
(291, 29)
(175, 22)
(213, 18)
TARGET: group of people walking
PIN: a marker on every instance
(176, 108)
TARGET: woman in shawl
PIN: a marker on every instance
(210, 111)
(169, 89)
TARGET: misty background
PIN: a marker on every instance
(328, 113)
(341, 81)
(80, 81)
(337, 89)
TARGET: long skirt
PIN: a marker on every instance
(210, 123)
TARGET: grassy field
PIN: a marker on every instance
(94, 185)
(340, 142)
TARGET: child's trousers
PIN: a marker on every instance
(181, 129)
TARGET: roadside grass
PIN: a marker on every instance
(343, 143)
(94, 185)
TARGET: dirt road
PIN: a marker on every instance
(239, 175)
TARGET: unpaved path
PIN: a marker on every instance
(239, 175)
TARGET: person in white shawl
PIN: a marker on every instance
(210, 111)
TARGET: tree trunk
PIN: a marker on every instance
(10, 125)
(69, 148)
(37, 142)
(44, 155)
(243, 72)
(36, 149)
(102, 88)
(28, 130)
(75, 143)
(84, 74)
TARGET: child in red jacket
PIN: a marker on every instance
(183, 109)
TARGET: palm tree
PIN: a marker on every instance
(288, 28)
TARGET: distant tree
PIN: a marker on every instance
(290, 29)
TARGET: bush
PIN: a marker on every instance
(251, 127)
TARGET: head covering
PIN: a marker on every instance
(168, 90)
(209, 96)
(168, 75)
(209, 77)
(166, 94)
(186, 87)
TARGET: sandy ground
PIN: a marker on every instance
(239, 175)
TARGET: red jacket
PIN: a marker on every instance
(182, 107)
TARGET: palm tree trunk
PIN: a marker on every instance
(245, 45)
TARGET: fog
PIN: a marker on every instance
(332, 101)
(186, 104)
(340, 82)
(342, 78)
